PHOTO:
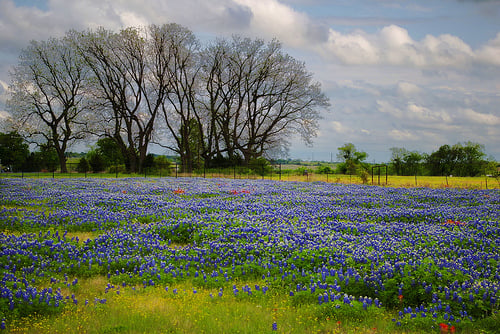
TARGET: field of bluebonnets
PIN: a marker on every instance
(428, 257)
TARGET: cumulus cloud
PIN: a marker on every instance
(403, 135)
(393, 45)
(408, 89)
(480, 118)
(272, 19)
(19, 24)
(338, 127)
(490, 52)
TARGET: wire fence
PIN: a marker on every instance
(276, 172)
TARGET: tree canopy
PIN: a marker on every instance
(13, 151)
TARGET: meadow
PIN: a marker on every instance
(195, 255)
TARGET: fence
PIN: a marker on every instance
(279, 173)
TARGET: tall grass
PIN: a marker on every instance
(186, 309)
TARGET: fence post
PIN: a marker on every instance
(280, 172)
(176, 170)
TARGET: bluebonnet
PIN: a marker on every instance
(315, 237)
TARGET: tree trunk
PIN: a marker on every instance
(62, 162)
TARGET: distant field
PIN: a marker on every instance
(288, 175)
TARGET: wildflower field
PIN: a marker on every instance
(192, 255)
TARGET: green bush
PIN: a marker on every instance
(83, 166)
(324, 170)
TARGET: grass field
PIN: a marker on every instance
(479, 182)
(195, 255)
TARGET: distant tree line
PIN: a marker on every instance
(461, 159)
(229, 102)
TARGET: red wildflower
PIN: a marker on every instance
(453, 222)
(236, 192)
(444, 328)
(179, 191)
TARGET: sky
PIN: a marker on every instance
(406, 73)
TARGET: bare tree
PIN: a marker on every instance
(178, 51)
(216, 101)
(131, 85)
(239, 97)
(262, 96)
(48, 96)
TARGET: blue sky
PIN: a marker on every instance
(413, 74)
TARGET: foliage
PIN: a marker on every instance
(404, 162)
(13, 151)
(324, 170)
(83, 165)
(110, 152)
(459, 160)
(260, 166)
(96, 161)
(352, 162)
(48, 157)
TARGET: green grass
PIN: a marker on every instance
(155, 310)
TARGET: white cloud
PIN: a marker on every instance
(403, 135)
(397, 47)
(392, 45)
(338, 127)
(272, 19)
(3, 87)
(3, 93)
(352, 49)
(480, 118)
(445, 50)
(408, 89)
(490, 52)
(386, 107)
(424, 114)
